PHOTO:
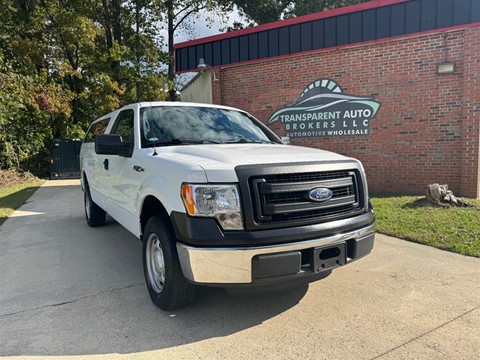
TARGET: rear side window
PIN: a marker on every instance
(98, 127)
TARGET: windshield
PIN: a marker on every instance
(177, 125)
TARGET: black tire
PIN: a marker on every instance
(166, 284)
(94, 214)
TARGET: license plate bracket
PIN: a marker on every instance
(329, 257)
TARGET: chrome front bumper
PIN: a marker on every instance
(234, 265)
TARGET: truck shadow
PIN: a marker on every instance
(217, 313)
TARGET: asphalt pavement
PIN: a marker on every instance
(68, 290)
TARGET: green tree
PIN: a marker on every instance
(305, 7)
(31, 103)
(261, 12)
(28, 106)
(63, 63)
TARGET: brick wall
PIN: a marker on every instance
(427, 129)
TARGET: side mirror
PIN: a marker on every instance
(286, 140)
(112, 144)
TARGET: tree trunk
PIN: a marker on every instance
(171, 68)
(137, 52)
(108, 29)
(117, 24)
(113, 32)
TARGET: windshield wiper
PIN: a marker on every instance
(247, 141)
(180, 142)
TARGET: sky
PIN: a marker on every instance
(205, 24)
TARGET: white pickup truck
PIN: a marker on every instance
(218, 199)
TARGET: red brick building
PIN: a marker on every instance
(420, 59)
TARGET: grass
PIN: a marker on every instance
(15, 189)
(415, 219)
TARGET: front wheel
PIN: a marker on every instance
(166, 284)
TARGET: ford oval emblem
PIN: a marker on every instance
(320, 194)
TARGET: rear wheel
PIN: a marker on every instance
(94, 214)
(166, 284)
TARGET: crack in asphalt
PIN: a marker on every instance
(426, 333)
(70, 301)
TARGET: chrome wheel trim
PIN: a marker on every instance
(155, 263)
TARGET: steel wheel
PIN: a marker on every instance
(155, 263)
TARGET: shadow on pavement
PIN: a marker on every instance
(14, 200)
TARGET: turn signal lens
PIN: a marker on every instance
(188, 198)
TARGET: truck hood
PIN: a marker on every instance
(219, 160)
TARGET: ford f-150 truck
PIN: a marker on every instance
(218, 199)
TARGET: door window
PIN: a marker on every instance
(98, 127)
(124, 125)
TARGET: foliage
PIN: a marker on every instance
(261, 12)
(62, 64)
(412, 218)
(25, 124)
(304, 7)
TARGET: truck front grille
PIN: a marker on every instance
(282, 200)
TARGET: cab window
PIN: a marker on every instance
(98, 127)
(124, 125)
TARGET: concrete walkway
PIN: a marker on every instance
(70, 290)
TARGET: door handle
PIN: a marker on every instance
(105, 164)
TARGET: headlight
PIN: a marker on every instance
(219, 201)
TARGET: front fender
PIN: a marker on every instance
(165, 185)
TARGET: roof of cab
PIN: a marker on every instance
(181, 103)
